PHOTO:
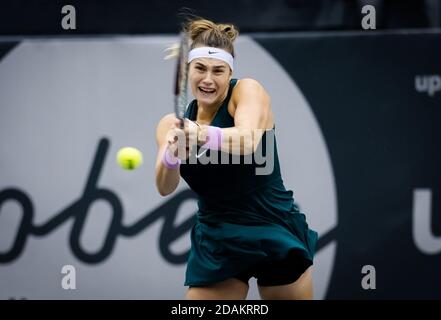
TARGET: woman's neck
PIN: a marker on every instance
(206, 114)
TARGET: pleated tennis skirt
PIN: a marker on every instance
(232, 236)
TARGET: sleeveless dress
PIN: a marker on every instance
(244, 218)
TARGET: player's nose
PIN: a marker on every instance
(207, 78)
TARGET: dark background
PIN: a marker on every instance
(384, 141)
(43, 17)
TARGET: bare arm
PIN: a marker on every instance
(252, 117)
(167, 179)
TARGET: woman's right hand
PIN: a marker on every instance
(179, 141)
(176, 141)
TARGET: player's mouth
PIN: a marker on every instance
(206, 91)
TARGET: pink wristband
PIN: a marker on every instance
(214, 138)
(170, 161)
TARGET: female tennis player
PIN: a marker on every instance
(248, 224)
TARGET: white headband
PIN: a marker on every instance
(210, 52)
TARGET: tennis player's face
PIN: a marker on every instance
(209, 80)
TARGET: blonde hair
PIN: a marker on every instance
(206, 33)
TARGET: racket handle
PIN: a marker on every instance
(181, 123)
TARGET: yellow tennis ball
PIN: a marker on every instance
(129, 158)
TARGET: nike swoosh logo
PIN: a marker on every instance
(212, 52)
(200, 154)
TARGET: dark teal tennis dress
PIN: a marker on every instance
(243, 219)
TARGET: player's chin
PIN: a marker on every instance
(207, 99)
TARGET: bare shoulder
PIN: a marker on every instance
(249, 84)
(251, 95)
(247, 87)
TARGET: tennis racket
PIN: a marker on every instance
(181, 78)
